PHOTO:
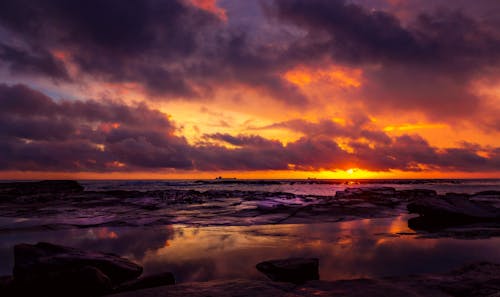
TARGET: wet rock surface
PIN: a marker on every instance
(63, 204)
(458, 215)
(26, 192)
(478, 280)
(75, 208)
(293, 270)
(34, 263)
(150, 281)
(54, 270)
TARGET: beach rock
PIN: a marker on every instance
(46, 186)
(455, 215)
(412, 194)
(478, 280)
(84, 281)
(150, 281)
(6, 285)
(294, 270)
(457, 208)
(45, 263)
(38, 191)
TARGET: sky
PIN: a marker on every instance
(249, 89)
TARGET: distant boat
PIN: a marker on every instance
(225, 178)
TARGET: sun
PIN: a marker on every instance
(350, 171)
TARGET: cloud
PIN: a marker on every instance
(427, 64)
(38, 133)
(41, 134)
(357, 127)
(37, 62)
(171, 49)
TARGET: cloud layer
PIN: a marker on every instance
(290, 60)
(40, 134)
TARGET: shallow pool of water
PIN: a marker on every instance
(352, 249)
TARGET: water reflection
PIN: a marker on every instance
(362, 248)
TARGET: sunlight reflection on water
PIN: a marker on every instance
(352, 249)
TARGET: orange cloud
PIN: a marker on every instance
(340, 76)
(107, 127)
(409, 127)
(210, 6)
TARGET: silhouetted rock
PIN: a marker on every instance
(294, 270)
(478, 280)
(454, 207)
(456, 215)
(150, 281)
(38, 191)
(57, 268)
(6, 285)
(46, 186)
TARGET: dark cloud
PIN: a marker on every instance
(357, 127)
(243, 140)
(36, 61)
(427, 65)
(447, 41)
(40, 134)
(170, 48)
(175, 50)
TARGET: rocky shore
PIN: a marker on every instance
(46, 269)
(478, 280)
(65, 204)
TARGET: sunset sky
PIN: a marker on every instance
(249, 89)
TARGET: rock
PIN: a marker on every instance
(294, 270)
(84, 281)
(150, 281)
(383, 196)
(417, 194)
(444, 214)
(45, 264)
(478, 280)
(6, 285)
(38, 191)
(454, 208)
(46, 186)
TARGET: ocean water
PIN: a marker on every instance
(346, 250)
(300, 187)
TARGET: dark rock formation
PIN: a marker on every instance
(32, 261)
(46, 186)
(293, 270)
(57, 269)
(457, 215)
(150, 281)
(6, 285)
(38, 191)
(456, 207)
(47, 203)
(452, 210)
(478, 280)
(46, 269)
